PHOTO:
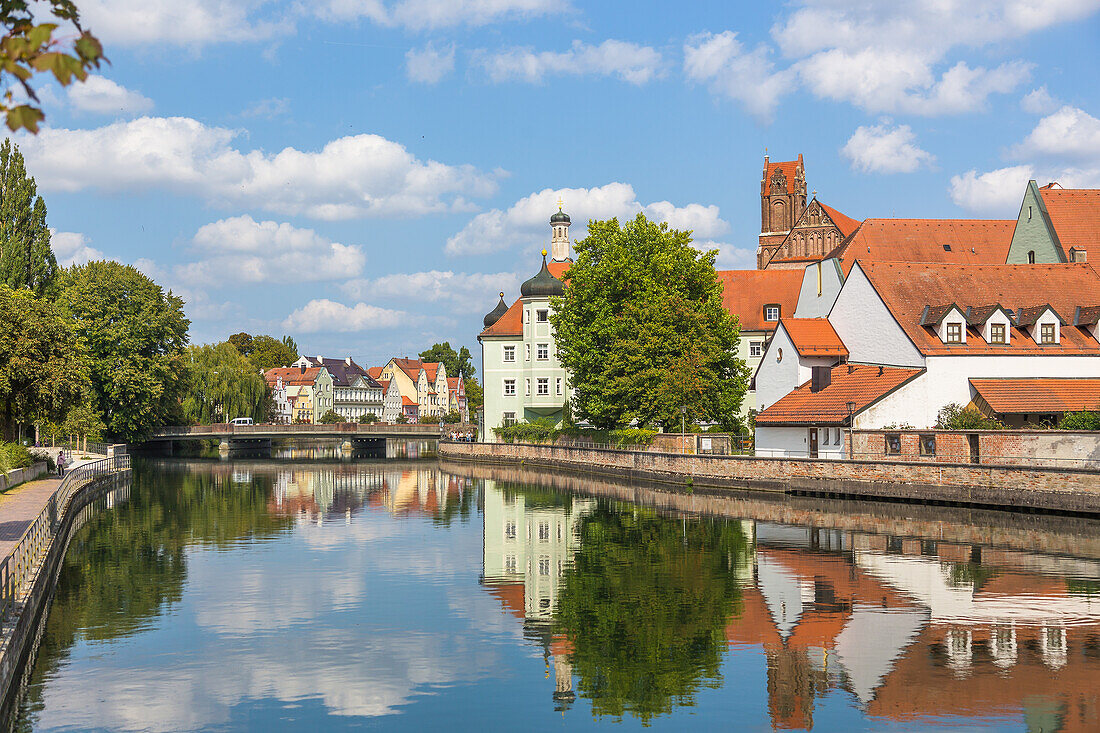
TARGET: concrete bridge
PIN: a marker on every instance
(348, 435)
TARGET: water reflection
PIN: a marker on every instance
(323, 595)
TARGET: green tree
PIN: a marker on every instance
(954, 416)
(43, 364)
(223, 385)
(331, 418)
(475, 396)
(458, 363)
(268, 352)
(1083, 420)
(642, 329)
(29, 47)
(136, 336)
(368, 418)
(243, 342)
(645, 604)
(26, 259)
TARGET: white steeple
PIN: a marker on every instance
(559, 237)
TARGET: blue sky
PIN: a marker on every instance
(366, 175)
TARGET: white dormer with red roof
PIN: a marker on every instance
(1042, 323)
(993, 322)
(948, 321)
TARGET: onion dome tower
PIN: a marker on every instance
(494, 315)
(559, 239)
(542, 285)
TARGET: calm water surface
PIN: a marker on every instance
(329, 596)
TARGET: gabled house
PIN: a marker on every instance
(1055, 224)
(799, 347)
(301, 394)
(355, 392)
(431, 390)
(456, 397)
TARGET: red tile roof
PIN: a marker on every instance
(958, 241)
(789, 168)
(407, 401)
(510, 324)
(375, 372)
(746, 292)
(1075, 214)
(411, 367)
(1040, 394)
(814, 337)
(385, 385)
(293, 375)
(557, 269)
(862, 384)
(906, 288)
(452, 382)
(844, 223)
(431, 368)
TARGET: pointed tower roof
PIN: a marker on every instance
(542, 285)
(494, 315)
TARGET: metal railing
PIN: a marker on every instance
(80, 446)
(18, 567)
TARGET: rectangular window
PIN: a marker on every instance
(997, 333)
(559, 385)
(771, 313)
(509, 353)
(954, 333)
(1047, 333)
(893, 444)
(510, 531)
(527, 351)
(526, 316)
(527, 386)
(542, 352)
(756, 348)
(509, 387)
(510, 564)
(542, 316)
(543, 385)
(544, 531)
(928, 445)
(544, 565)
(509, 419)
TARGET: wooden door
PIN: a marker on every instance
(813, 442)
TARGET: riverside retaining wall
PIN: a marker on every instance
(1055, 489)
(22, 628)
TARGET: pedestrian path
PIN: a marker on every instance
(20, 506)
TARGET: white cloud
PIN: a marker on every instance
(730, 257)
(749, 77)
(328, 316)
(1063, 147)
(527, 221)
(997, 191)
(193, 23)
(428, 14)
(71, 248)
(100, 95)
(465, 290)
(1038, 102)
(880, 56)
(628, 61)
(881, 149)
(1070, 133)
(243, 250)
(350, 177)
(428, 65)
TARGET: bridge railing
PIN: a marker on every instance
(351, 428)
(17, 569)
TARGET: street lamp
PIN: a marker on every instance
(683, 426)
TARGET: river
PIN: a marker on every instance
(414, 595)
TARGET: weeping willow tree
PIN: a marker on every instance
(223, 385)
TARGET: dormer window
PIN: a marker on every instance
(997, 333)
(1048, 335)
(771, 313)
(1077, 254)
(954, 333)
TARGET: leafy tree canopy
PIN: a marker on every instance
(331, 418)
(136, 336)
(457, 363)
(26, 259)
(28, 48)
(243, 343)
(1083, 420)
(43, 364)
(954, 416)
(223, 385)
(645, 605)
(642, 330)
(267, 352)
(475, 395)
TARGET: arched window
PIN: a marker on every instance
(1031, 257)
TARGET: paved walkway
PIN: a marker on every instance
(19, 507)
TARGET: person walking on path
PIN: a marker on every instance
(61, 463)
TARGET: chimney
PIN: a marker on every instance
(348, 361)
(320, 360)
(821, 377)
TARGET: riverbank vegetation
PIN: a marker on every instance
(643, 331)
(547, 431)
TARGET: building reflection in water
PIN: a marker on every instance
(912, 629)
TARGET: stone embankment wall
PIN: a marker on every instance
(1057, 489)
(1051, 448)
(14, 478)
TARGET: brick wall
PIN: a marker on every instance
(1051, 448)
(1060, 489)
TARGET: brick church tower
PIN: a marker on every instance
(782, 201)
